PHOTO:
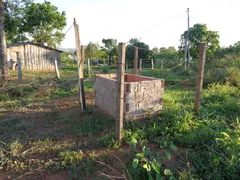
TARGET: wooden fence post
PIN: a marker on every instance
(152, 63)
(19, 67)
(82, 76)
(135, 60)
(79, 56)
(161, 63)
(126, 66)
(56, 69)
(89, 67)
(201, 63)
(120, 90)
(140, 65)
(82, 61)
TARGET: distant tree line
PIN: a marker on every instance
(42, 22)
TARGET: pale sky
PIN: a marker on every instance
(126, 19)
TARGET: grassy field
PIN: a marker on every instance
(43, 134)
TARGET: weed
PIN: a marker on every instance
(15, 147)
(105, 69)
(150, 162)
(90, 126)
(211, 137)
(45, 146)
(70, 157)
(13, 128)
(111, 142)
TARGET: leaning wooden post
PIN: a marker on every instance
(56, 69)
(79, 56)
(201, 63)
(19, 66)
(82, 76)
(135, 60)
(120, 90)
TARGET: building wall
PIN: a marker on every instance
(34, 57)
(106, 93)
(143, 96)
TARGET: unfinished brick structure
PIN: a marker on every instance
(143, 96)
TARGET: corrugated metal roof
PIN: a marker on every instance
(36, 44)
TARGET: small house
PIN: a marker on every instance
(33, 56)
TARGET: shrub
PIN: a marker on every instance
(223, 70)
(105, 69)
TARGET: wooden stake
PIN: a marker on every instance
(82, 76)
(201, 63)
(126, 66)
(162, 64)
(135, 60)
(89, 67)
(120, 90)
(79, 56)
(82, 61)
(140, 65)
(56, 69)
(152, 63)
(19, 66)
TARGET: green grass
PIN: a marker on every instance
(43, 131)
(211, 136)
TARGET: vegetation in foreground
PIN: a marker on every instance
(44, 134)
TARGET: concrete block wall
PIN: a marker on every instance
(105, 93)
(143, 96)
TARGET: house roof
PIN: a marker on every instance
(36, 44)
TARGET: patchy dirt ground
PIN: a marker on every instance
(52, 139)
(53, 120)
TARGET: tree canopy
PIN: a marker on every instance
(91, 50)
(199, 33)
(155, 50)
(41, 22)
(44, 23)
(230, 50)
(110, 46)
(167, 53)
(142, 54)
(14, 15)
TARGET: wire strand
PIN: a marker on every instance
(68, 30)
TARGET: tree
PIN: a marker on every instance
(237, 44)
(199, 33)
(110, 46)
(162, 50)
(3, 48)
(101, 55)
(233, 50)
(142, 54)
(91, 50)
(44, 23)
(171, 50)
(14, 12)
(155, 50)
(169, 53)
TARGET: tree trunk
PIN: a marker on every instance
(3, 48)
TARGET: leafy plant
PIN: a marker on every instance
(111, 142)
(105, 69)
(150, 161)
